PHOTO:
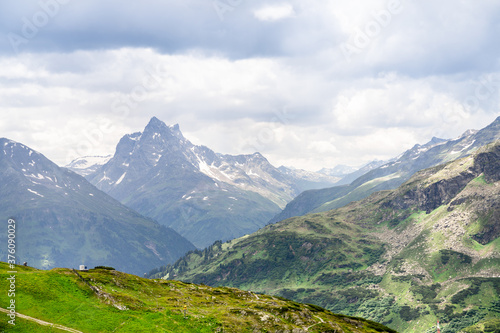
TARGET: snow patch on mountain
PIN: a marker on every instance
(35, 192)
(121, 178)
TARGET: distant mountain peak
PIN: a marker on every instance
(156, 128)
(86, 165)
(7, 142)
(4, 141)
(20, 154)
(469, 132)
(435, 141)
(155, 122)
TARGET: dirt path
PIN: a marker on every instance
(41, 322)
(321, 321)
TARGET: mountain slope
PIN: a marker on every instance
(392, 174)
(63, 220)
(126, 303)
(203, 195)
(428, 250)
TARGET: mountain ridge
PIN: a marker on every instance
(391, 174)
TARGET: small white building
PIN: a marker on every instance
(83, 268)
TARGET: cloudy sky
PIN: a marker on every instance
(308, 83)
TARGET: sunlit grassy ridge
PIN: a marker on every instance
(128, 303)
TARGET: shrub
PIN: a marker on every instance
(105, 267)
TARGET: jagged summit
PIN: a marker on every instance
(155, 122)
(156, 126)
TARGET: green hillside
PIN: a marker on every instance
(428, 251)
(103, 300)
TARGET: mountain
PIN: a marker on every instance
(392, 174)
(427, 251)
(63, 220)
(338, 170)
(307, 180)
(106, 300)
(86, 165)
(350, 177)
(203, 195)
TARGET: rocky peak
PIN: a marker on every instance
(157, 128)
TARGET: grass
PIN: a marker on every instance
(479, 181)
(24, 326)
(128, 303)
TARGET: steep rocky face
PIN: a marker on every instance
(428, 197)
(489, 164)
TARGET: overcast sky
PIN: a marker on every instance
(308, 83)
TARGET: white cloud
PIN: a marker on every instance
(270, 78)
(294, 117)
(274, 12)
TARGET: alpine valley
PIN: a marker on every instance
(426, 251)
(62, 220)
(203, 195)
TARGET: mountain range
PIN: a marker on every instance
(426, 251)
(390, 175)
(63, 220)
(403, 242)
(203, 195)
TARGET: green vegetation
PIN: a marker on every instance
(488, 326)
(105, 267)
(103, 300)
(405, 258)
